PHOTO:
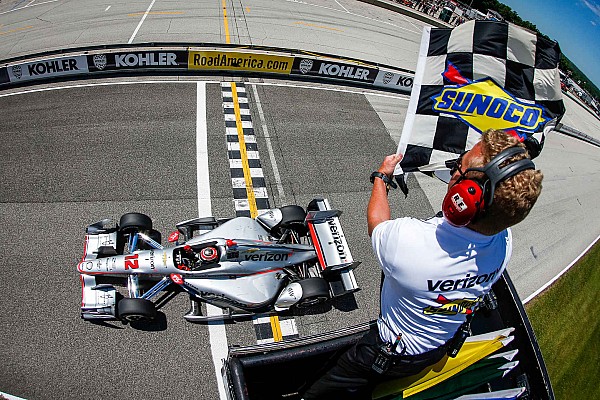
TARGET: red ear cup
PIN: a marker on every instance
(463, 202)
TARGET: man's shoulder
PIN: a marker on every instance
(407, 223)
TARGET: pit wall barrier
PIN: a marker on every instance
(397, 6)
(567, 130)
(264, 62)
(80, 63)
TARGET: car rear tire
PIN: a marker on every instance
(292, 217)
(314, 291)
(134, 310)
(135, 221)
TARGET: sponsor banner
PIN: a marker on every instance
(137, 59)
(4, 76)
(47, 68)
(336, 70)
(484, 105)
(402, 82)
(238, 61)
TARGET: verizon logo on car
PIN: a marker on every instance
(337, 239)
(145, 59)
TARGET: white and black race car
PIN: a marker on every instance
(286, 257)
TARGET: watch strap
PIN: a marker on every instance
(384, 178)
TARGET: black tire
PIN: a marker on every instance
(292, 217)
(135, 222)
(133, 310)
(314, 291)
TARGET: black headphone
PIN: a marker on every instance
(468, 198)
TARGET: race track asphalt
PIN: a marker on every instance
(76, 155)
(116, 148)
(119, 148)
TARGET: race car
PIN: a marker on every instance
(287, 257)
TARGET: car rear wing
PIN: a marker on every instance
(331, 246)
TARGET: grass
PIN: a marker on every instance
(565, 319)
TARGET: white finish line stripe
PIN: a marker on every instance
(204, 204)
(263, 122)
(216, 329)
(141, 22)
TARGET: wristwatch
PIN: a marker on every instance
(384, 178)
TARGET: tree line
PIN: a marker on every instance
(565, 64)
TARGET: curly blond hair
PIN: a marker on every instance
(515, 196)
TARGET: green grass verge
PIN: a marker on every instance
(565, 319)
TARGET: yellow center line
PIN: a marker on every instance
(227, 38)
(275, 325)
(318, 26)
(16, 30)
(276, 328)
(244, 153)
(156, 13)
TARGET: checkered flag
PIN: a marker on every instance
(480, 75)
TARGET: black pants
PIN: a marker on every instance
(352, 376)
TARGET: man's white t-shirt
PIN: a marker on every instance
(435, 274)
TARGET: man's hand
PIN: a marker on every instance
(389, 164)
(378, 209)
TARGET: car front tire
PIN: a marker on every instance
(134, 310)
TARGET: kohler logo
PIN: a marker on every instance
(145, 59)
(346, 71)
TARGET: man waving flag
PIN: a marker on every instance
(480, 75)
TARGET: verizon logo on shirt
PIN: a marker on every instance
(456, 284)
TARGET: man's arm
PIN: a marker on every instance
(378, 209)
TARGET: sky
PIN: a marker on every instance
(574, 24)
